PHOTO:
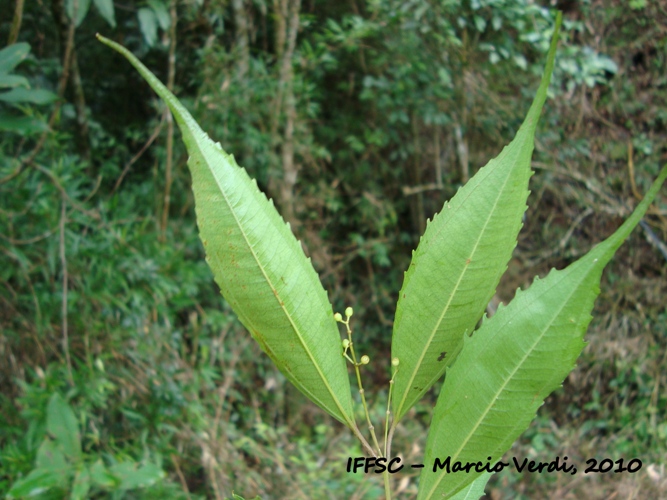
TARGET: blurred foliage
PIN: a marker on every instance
(395, 105)
(18, 94)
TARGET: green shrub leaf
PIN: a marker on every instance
(460, 260)
(36, 483)
(161, 13)
(133, 476)
(106, 10)
(101, 477)
(260, 266)
(24, 125)
(81, 485)
(50, 456)
(62, 425)
(11, 56)
(514, 361)
(82, 7)
(148, 25)
(11, 81)
(34, 96)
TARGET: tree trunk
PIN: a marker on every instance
(242, 43)
(287, 25)
(16, 23)
(63, 24)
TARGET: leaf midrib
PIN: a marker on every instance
(192, 129)
(406, 392)
(510, 377)
(281, 303)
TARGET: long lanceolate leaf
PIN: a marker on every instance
(459, 261)
(513, 362)
(260, 266)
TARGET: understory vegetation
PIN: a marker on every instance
(359, 119)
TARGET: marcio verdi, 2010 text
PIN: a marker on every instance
(381, 464)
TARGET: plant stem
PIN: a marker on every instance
(353, 359)
(394, 423)
(387, 437)
(386, 422)
(361, 387)
(171, 75)
(16, 23)
(63, 263)
(387, 486)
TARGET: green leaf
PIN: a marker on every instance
(11, 81)
(132, 476)
(51, 471)
(514, 361)
(261, 268)
(62, 425)
(475, 490)
(161, 13)
(24, 125)
(460, 260)
(36, 483)
(101, 477)
(11, 56)
(480, 23)
(82, 7)
(50, 456)
(81, 484)
(148, 25)
(106, 10)
(34, 96)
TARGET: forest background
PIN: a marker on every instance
(359, 119)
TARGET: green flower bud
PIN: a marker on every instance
(338, 317)
(348, 312)
(365, 360)
(346, 343)
(395, 362)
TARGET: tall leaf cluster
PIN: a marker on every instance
(496, 378)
